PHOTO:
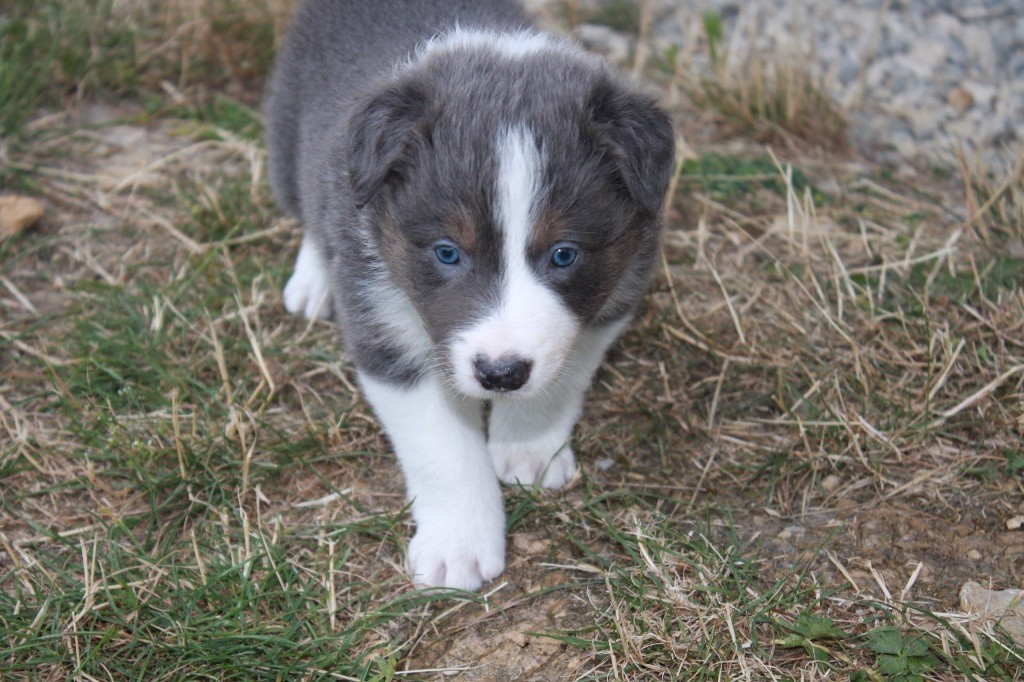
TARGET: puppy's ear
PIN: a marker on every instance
(637, 138)
(382, 135)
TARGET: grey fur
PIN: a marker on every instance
(380, 152)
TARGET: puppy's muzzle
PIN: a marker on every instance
(508, 373)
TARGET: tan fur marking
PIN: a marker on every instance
(547, 230)
(463, 231)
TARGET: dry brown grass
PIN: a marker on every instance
(774, 98)
(994, 195)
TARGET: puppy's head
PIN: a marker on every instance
(512, 186)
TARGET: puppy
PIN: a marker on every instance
(481, 209)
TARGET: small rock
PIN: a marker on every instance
(981, 53)
(849, 69)
(982, 93)
(905, 144)
(612, 45)
(790, 531)
(960, 99)
(605, 464)
(17, 214)
(1005, 607)
(526, 544)
(1015, 523)
(973, 554)
(925, 120)
(830, 483)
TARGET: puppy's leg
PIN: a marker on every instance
(306, 291)
(529, 439)
(456, 499)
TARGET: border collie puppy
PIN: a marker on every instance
(481, 209)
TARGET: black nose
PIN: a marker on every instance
(507, 374)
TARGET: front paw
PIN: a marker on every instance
(456, 555)
(306, 294)
(526, 464)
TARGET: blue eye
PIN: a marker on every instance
(447, 253)
(563, 257)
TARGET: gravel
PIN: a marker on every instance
(915, 77)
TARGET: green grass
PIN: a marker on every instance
(256, 607)
(56, 51)
(51, 51)
(622, 15)
(727, 178)
(175, 572)
(23, 81)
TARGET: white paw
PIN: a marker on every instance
(306, 292)
(446, 555)
(527, 464)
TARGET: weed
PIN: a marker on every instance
(900, 659)
(812, 633)
(773, 97)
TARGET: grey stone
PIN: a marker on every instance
(1005, 607)
(984, 94)
(612, 45)
(922, 51)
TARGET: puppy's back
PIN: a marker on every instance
(336, 51)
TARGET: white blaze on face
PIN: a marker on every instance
(530, 321)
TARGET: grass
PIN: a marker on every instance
(788, 462)
(55, 51)
(995, 195)
(215, 595)
(771, 96)
(726, 178)
(622, 15)
(169, 567)
(689, 605)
